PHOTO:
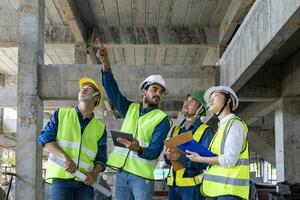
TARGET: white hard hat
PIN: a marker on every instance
(158, 79)
(223, 89)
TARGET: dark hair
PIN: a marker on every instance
(146, 86)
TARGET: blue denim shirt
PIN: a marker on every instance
(121, 103)
(193, 168)
(49, 132)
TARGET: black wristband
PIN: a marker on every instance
(140, 151)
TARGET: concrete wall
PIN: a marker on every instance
(267, 26)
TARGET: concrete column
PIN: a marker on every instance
(287, 141)
(1, 158)
(80, 54)
(30, 106)
(2, 79)
(265, 171)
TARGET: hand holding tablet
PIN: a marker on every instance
(118, 134)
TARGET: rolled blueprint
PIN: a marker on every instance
(80, 175)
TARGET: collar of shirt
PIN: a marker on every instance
(147, 109)
(80, 115)
(224, 119)
(192, 128)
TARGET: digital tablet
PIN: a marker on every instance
(118, 134)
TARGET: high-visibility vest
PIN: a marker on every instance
(177, 177)
(218, 180)
(141, 127)
(81, 148)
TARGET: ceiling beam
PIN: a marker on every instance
(60, 82)
(56, 35)
(72, 15)
(8, 27)
(92, 55)
(267, 26)
(234, 16)
(256, 111)
(166, 37)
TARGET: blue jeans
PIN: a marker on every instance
(132, 187)
(69, 189)
(228, 197)
(185, 193)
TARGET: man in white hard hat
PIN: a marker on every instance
(149, 127)
(228, 175)
(79, 139)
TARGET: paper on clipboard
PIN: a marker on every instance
(174, 142)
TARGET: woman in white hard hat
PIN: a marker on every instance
(228, 175)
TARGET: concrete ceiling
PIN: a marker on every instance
(152, 13)
(175, 21)
(176, 38)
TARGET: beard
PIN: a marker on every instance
(152, 101)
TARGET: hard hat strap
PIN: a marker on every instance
(197, 114)
(225, 103)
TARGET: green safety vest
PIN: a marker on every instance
(218, 180)
(81, 148)
(178, 176)
(141, 127)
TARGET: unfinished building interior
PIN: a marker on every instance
(46, 46)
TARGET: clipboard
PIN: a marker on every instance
(174, 142)
(194, 146)
(118, 134)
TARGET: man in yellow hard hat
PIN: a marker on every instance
(184, 183)
(149, 126)
(79, 139)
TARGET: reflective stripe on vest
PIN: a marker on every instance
(124, 152)
(81, 148)
(226, 180)
(76, 145)
(180, 180)
(231, 180)
(141, 127)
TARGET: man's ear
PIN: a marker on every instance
(96, 98)
(143, 92)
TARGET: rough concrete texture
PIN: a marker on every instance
(30, 107)
(61, 81)
(287, 128)
(290, 77)
(266, 27)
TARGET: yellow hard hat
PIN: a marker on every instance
(95, 84)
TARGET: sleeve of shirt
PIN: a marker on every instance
(101, 156)
(205, 141)
(48, 133)
(157, 141)
(120, 102)
(233, 145)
